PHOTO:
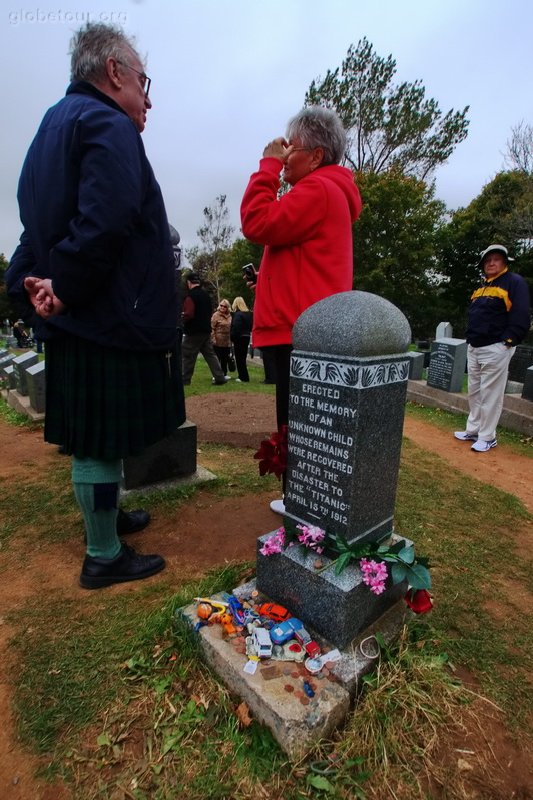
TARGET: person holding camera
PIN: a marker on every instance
(307, 233)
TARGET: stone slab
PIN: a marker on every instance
(513, 387)
(338, 607)
(170, 458)
(201, 475)
(295, 725)
(21, 404)
(517, 413)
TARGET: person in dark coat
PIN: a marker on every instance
(241, 330)
(96, 264)
(196, 317)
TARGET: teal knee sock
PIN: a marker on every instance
(95, 486)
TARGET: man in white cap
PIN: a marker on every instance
(498, 320)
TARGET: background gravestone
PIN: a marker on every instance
(348, 383)
(444, 330)
(447, 364)
(527, 391)
(20, 364)
(416, 365)
(170, 458)
(36, 380)
(520, 363)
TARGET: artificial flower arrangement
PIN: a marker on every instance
(375, 558)
(377, 561)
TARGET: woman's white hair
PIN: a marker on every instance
(316, 126)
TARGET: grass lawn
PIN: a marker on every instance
(120, 705)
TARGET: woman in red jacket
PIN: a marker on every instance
(307, 233)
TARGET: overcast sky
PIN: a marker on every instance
(228, 74)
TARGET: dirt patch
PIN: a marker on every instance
(187, 541)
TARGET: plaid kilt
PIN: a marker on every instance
(106, 403)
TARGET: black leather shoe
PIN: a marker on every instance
(127, 566)
(131, 521)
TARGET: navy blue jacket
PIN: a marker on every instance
(95, 223)
(499, 311)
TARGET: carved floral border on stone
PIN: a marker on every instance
(351, 376)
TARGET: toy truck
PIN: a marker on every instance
(262, 643)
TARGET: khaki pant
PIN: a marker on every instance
(487, 377)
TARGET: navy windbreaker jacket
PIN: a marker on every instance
(499, 311)
(95, 223)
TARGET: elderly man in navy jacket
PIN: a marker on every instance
(498, 320)
(95, 263)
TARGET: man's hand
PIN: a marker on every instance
(42, 297)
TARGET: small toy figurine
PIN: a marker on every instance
(308, 689)
(204, 610)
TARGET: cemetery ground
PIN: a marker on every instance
(102, 696)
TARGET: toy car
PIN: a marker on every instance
(273, 611)
(285, 630)
(310, 647)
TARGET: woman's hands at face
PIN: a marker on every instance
(278, 148)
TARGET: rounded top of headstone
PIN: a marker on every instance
(352, 324)
(174, 235)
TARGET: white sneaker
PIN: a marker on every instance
(238, 380)
(465, 436)
(278, 507)
(481, 446)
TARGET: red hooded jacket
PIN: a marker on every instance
(308, 238)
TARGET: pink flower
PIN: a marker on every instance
(274, 544)
(311, 536)
(374, 574)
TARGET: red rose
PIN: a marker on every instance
(419, 601)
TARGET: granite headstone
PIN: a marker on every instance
(36, 380)
(170, 458)
(416, 365)
(527, 391)
(21, 364)
(520, 363)
(348, 383)
(447, 364)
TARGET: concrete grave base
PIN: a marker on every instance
(274, 694)
(201, 475)
(21, 404)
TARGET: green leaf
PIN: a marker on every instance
(103, 740)
(342, 562)
(407, 554)
(399, 572)
(319, 782)
(418, 577)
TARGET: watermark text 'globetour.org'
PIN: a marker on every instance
(39, 17)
